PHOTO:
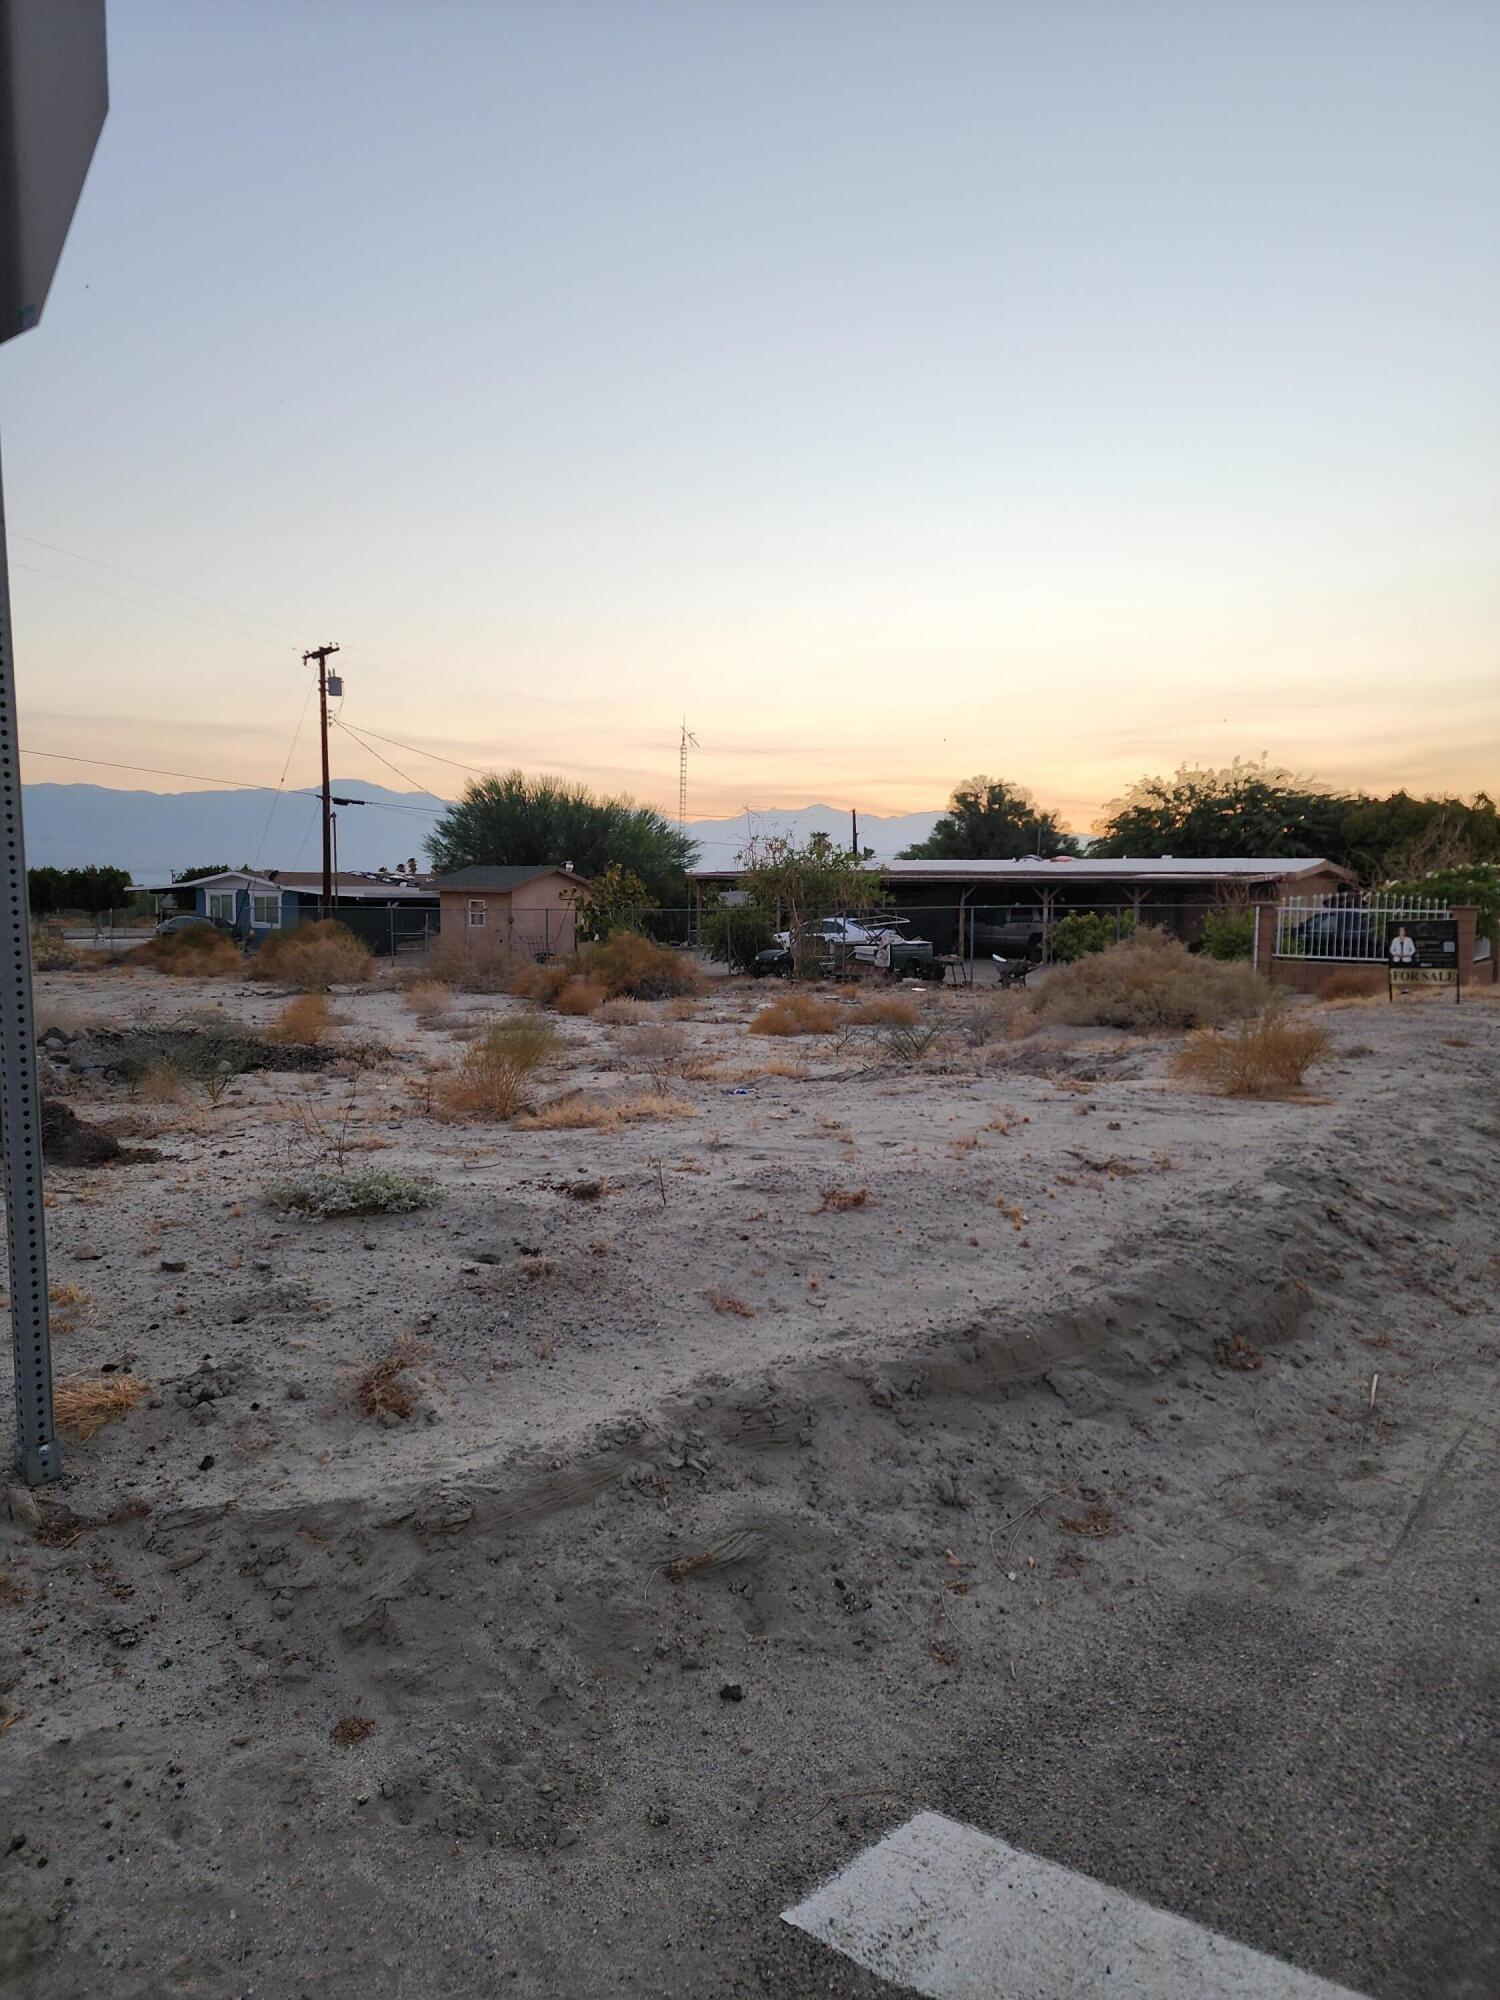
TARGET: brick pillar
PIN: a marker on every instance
(1467, 917)
(1265, 938)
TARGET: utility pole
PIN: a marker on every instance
(320, 654)
(687, 741)
(854, 830)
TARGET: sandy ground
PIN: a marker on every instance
(1051, 1483)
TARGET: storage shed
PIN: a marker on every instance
(524, 909)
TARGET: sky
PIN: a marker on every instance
(1059, 389)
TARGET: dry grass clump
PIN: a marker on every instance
(200, 952)
(579, 1112)
(631, 967)
(162, 1083)
(69, 1307)
(541, 983)
(470, 961)
(429, 1000)
(624, 1013)
(384, 1391)
(1265, 1057)
(490, 1078)
(683, 1008)
(84, 1404)
(580, 996)
(1149, 981)
(726, 1302)
(1354, 982)
(306, 1020)
(886, 1010)
(50, 950)
(838, 1201)
(313, 957)
(797, 1014)
(350, 1730)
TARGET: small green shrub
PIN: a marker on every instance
(734, 937)
(1229, 934)
(1084, 932)
(365, 1191)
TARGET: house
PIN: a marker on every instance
(390, 912)
(959, 904)
(520, 908)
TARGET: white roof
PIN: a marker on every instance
(1160, 868)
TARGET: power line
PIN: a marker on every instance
(147, 770)
(166, 610)
(430, 756)
(404, 775)
(265, 832)
(151, 582)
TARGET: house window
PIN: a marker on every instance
(477, 913)
(221, 905)
(267, 912)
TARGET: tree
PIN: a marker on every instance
(990, 820)
(97, 890)
(613, 901)
(44, 890)
(197, 874)
(510, 819)
(1246, 810)
(790, 887)
(1402, 835)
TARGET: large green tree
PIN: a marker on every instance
(990, 820)
(510, 818)
(1247, 809)
(1250, 808)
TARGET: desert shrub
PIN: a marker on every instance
(364, 1191)
(661, 1048)
(1148, 981)
(631, 967)
(1229, 934)
(1263, 1057)
(542, 983)
(797, 1014)
(624, 1013)
(883, 1009)
(307, 1019)
(489, 1080)
(470, 961)
(580, 996)
(838, 1201)
(314, 957)
(83, 1404)
(1353, 982)
(733, 937)
(50, 950)
(429, 1000)
(384, 1392)
(200, 952)
(683, 1008)
(906, 1041)
(1084, 932)
(578, 1112)
(992, 1018)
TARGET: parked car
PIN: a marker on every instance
(186, 919)
(1343, 933)
(1022, 939)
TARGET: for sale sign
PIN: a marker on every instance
(1422, 951)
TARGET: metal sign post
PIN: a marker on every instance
(38, 1455)
(53, 96)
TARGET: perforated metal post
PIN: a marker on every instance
(38, 1455)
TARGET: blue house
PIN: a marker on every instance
(387, 910)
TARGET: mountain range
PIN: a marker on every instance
(155, 834)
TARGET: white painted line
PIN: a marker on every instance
(957, 1915)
